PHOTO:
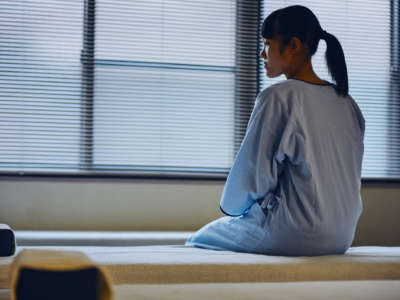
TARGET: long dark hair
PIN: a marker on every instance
(299, 21)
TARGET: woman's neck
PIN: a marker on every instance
(304, 72)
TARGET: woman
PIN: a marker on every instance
(294, 187)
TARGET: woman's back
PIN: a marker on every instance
(320, 155)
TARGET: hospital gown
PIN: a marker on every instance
(294, 186)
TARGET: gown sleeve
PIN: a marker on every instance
(255, 170)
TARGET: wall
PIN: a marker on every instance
(133, 204)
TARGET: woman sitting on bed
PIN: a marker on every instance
(294, 187)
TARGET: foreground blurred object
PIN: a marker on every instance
(50, 274)
(7, 240)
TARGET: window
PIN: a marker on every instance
(166, 87)
(125, 87)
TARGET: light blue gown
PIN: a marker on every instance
(294, 186)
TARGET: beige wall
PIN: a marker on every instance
(132, 204)
(379, 223)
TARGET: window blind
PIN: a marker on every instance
(126, 87)
(368, 31)
(164, 84)
(40, 79)
(167, 87)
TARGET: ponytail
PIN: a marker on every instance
(336, 62)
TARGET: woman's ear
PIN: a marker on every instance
(295, 44)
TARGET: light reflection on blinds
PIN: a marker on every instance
(364, 29)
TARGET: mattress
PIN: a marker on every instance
(338, 290)
(176, 264)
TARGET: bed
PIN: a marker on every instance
(189, 272)
(179, 272)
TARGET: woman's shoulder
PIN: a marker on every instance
(278, 85)
(295, 87)
(279, 90)
(275, 88)
(283, 86)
